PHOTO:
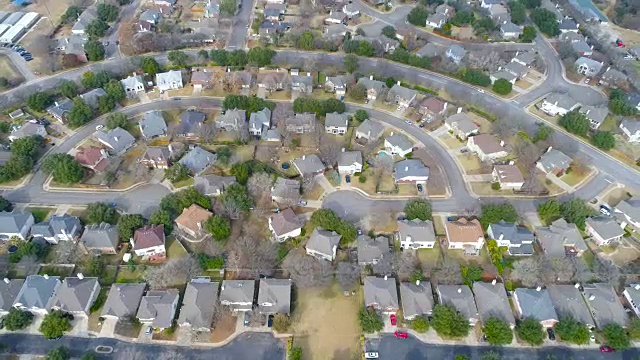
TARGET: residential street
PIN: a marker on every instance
(239, 29)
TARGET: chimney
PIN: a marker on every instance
(637, 287)
(459, 290)
(385, 278)
(370, 77)
(539, 288)
(577, 285)
(55, 103)
(501, 237)
(459, 110)
(406, 168)
(6, 281)
(591, 47)
(502, 143)
(517, 52)
(417, 282)
(549, 149)
(608, 67)
(80, 276)
(398, 82)
(304, 157)
(45, 276)
(493, 282)
(343, 149)
(592, 297)
(115, 138)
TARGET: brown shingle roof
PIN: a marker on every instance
(488, 143)
(508, 173)
(434, 105)
(284, 222)
(148, 236)
(463, 230)
(89, 156)
(193, 217)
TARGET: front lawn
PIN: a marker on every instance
(40, 213)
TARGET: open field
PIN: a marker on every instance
(9, 72)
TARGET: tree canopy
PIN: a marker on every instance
(420, 324)
(475, 77)
(328, 220)
(162, 217)
(107, 12)
(360, 115)
(418, 209)
(493, 213)
(570, 330)
(370, 321)
(175, 202)
(418, 16)
(618, 104)
(447, 321)
(575, 123)
(350, 63)
(260, 56)
(39, 101)
(616, 336)
(178, 58)
(528, 34)
(128, 224)
(319, 107)
(546, 21)
(176, 173)
(59, 353)
(55, 324)
(502, 86)
(389, 31)
(518, 12)
(63, 168)
(603, 140)
(249, 103)
(229, 58)
(101, 212)
(149, 65)
(497, 331)
(218, 226)
(17, 319)
(530, 330)
(96, 29)
(117, 119)
(236, 197)
(79, 114)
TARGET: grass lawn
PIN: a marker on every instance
(8, 71)
(279, 95)
(572, 178)
(608, 249)
(589, 258)
(523, 84)
(40, 213)
(127, 276)
(429, 258)
(315, 193)
(128, 329)
(368, 186)
(170, 334)
(407, 190)
(174, 248)
(184, 183)
(438, 224)
(609, 124)
(450, 141)
(53, 270)
(470, 162)
(484, 188)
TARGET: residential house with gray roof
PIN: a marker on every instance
(198, 304)
(85, 18)
(212, 185)
(123, 301)
(301, 123)
(58, 228)
(459, 297)
(503, 74)
(36, 293)
(274, 296)
(374, 88)
(604, 230)
(567, 25)
(398, 144)
(309, 165)
(60, 108)
(417, 299)
(76, 295)
(581, 48)
(554, 162)
(9, 290)
(381, 294)
(92, 97)
(285, 191)
(587, 66)
(152, 124)
(198, 160)
(133, 85)
(152, 16)
(411, 171)
(231, 120)
(260, 122)
(336, 84)
(613, 78)
(605, 305)
(561, 239)
(191, 123)
(416, 234)
(517, 69)
(401, 95)
(350, 162)
(537, 304)
(492, 301)
(170, 80)
(100, 238)
(628, 212)
(509, 30)
(429, 50)
(568, 301)
(301, 82)
(335, 32)
(27, 129)
(517, 239)
(595, 114)
(630, 129)
(558, 104)
(118, 140)
(369, 130)
(526, 58)
(632, 295)
(461, 125)
(323, 244)
(372, 251)
(456, 53)
(15, 223)
(238, 295)
(336, 123)
(158, 308)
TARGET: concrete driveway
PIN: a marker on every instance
(108, 328)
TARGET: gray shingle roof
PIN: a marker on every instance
(153, 124)
(238, 291)
(516, 68)
(594, 65)
(157, 305)
(277, 294)
(198, 304)
(510, 27)
(630, 208)
(91, 97)
(569, 302)
(286, 189)
(402, 92)
(372, 128)
(100, 236)
(605, 305)
(259, 119)
(212, 184)
(118, 139)
(417, 230)
(12, 222)
(492, 301)
(503, 74)
(594, 113)
(323, 241)
(337, 81)
(76, 294)
(526, 57)
(309, 164)
(132, 82)
(58, 224)
(561, 100)
(166, 78)
(613, 75)
(123, 300)
(510, 231)
(581, 47)
(460, 297)
(372, 84)
(190, 122)
(197, 160)
(456, 51)
(370, 250)
(336, 119)
(553, 160)
(461, 122)
(410, 167)
(558, 236)
(400, 141)
(37, 291)
(28, 129)
(568, 24)
(605, 226)
(348, 158)
(429, 50)
(536, 304)
(60, 107)
(232, 118)
(417, 298)
(381, 292)
(9, 290)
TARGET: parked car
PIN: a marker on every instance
(347, 179)
(270, 321)
(420, 188)
(302, 203)
(393, 319)
(99, 127)
(605, 210)
(371, 355)
(401, 335)
(607, 349)
(149, 330)
(552, 335)
(587, 80)
(246, 319)
(464, 150)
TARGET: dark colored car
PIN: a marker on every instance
(552, 335)
(270, 321)
(347, 179)
(420, 188)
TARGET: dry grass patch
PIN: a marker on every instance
(523, 84)
(484, 188)
(224, 327)
(485, 124)
(9, 72)
(450, 141)
(470, 163)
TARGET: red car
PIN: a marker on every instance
(392, 317)
(607, 348)
(401, 335)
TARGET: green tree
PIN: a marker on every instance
(546, 21)
(79, 114)
(358, 92)
(350, 63)
(106, 104)
(260, 56)
(576, 211)
(483, 26)
(88, 356)
(236, 197)
(497, 331)
(360, 115)
(228, 7)
(176, 173)
(470, 274)
(532, 4)
(248, 103)
(224, 155)
(633, 329)
(493, 213)
(117, 120)
(128, 224)
(370, 321)
(618, 104)
(418, 209)
(94, 50)
(281, 323)
(101, 212)
(150, 66)
(96, 29)
(68, 89)
(219, 57)
(389, 82)
(461, 357)
(71, 15)
(218, 227)
(39, 101)
(107, 12)
(502, 86)
(5, 205)
(59, 353)
(63, 168)
(162, 217)
(28, 249)
(575, 123)
(447, 321)
(115, 90)
(462, 18)
(305, 41)
(549, 211)
(475, 77)
(530, 330)
(210, 263)
(17, 319)
(55, 324)
(420, 324)
(328, 220)
(616, 336)
(543, 132)
(178, 58)
(528, 34)
(389, 31)
(518, 12)
(603, 140)
(27, 146)
(418, 16)
(570, 330)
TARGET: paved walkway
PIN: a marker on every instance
(324, 182)
(563, 185)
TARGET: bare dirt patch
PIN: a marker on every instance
(224, 328)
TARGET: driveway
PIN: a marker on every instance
(108, 327)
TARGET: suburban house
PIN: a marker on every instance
(553, 162)
(503, 74)
(417, 299)
(336, 123)
(170, 80)
(508, 176)
(198, 305)
(323, 244)
(587, 66)
(517, 239)
(76, 295)
(492, 301)
(350, 162)
(301, 123)
(628, 212)
(604, 230)
(202, 79)
(133, 85)
(558, 104)
(631, 130)
(567, 25)
(372, 251)
(151, 16)
(370, 130)
(192, 219)
(596, 115)
(416, 234)
(92, 97)
(36, 293)
(93, 158)
(27, 129)
(429, 50)
(411, 171)
(437, 20)
(198, 160)
(613, 78)
(158, 308)
(259, 122)
(60, 108)
(535, 303)
(461, 125)
(582, 48)
(374, 88)
(336, 17)
(274, 12)
(9, 290)
(517, 69)
(149, 243)
(152, 124)
(123, 301)
(398, 144)
(561, 239)
(85, 18)
(509, 30)
(336, 84)
(632, 294)
(212, 185)
(351, 10)
(285, 225)
(158, 157)
(238, 295)
(231, 120)
(461, 298)
(401, 96)
(285, 191)
(274, 296)
(487, 147)
(58, 228)
(309, 165)
(465, 234)
(118, 140)
(605, 305)
(432, 107)
(15, 223)
(272, 80)
(191, 122)
(456, 53)
(302, 83)
(381, 294)
(100, 238)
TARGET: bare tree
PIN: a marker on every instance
(173, 272)
(330, 150)
(251, 256)
(66, 252)
(243, 132)
(607, 271)
(259, 187)
(308, 182)
(208, 132)
(526, 271)
(448, 273)
(382, 166)
(404, 263)
(348, 275)
(311, 63)
(42, 47)
(307, 271)
(505, 128)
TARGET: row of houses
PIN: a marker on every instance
(14, 25)
(516, 69)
